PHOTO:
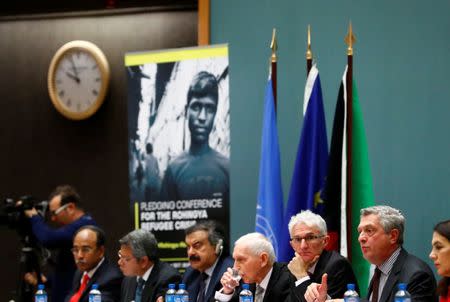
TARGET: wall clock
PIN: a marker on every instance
(78, 79)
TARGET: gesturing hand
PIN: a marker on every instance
(317, 292)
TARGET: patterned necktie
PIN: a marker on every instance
(375, 285)
(259, 294)
(202, 288)
(77, 295)
(139, 288)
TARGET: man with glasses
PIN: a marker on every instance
(309, 238)
(146, 277)
(65, 211)
(93, 268)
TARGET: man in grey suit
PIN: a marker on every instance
(147, 278)
(381, 237)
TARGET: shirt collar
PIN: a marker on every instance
(145, 275)
(386, 267)
(92, 271)
(265, 282)
(209, 271)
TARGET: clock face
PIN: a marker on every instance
(78, 79)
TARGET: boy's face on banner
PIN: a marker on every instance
(201, 113)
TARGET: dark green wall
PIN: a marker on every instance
(402, 67)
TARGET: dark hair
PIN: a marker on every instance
(203, 84)
(101, 237)
(68, 195)
(443, 229)
(149, 148)
(215, 231)
(142, 243)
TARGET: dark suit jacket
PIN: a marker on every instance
(192, 279)
(340, 273)
(278, 289)
(415, 273)
(156, 285)
(107, 276)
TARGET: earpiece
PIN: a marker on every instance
(219, 247)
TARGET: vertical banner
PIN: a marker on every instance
(178, 142)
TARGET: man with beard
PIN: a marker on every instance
(208, 258)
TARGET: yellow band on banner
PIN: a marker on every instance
(174, 259)
(172, 55)
(136, 215)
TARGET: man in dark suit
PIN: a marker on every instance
(381, 237)
(309, 238)
(208, 258)
(254, 258)
(93, 268)
(147, 278)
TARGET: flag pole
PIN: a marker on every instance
(309, 52)
(349, 40)
(273, 65)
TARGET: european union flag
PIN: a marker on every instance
(269, 207)
(311, 163)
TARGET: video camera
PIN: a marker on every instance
(12, 214)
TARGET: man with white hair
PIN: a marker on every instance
(254, 258)
(309, 238)
(381, 238)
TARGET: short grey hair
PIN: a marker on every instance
(142, 243)
(310, 219)
(257, 243)
(390, 219)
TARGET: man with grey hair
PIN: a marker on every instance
(254, 259)
(381, 237)
(309, 238)
(147, 278)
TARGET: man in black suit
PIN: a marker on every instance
(93, 268)
(254, 258)
(147, 278)
(381, 237)
(309, 238)
(208, 258)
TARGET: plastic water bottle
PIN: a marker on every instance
(182, 294)
(95, 295)
(41, 294)
(245, 295)
(402, 295)
(170, 293)
(351, 295)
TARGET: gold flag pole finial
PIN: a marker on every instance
(274, 46)
(308, 50)
(350, 40)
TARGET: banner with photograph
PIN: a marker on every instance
(178, 142)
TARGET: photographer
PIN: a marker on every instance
(65, 211)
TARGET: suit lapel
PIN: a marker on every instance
(216, 275)
(393, 276)
(93, 280)
(149, 288)
(272, 281)
(320, 266)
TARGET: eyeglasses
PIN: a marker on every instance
(83, 250)
(59, 210)
(307, 238)
(126, 259)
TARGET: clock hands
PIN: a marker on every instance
(73, 77)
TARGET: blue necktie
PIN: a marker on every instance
(139, 287)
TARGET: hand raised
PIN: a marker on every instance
(317, 292)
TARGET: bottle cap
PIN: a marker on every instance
(351, 286)
(172, 286)
(95, 286)
(41, 286)
(182, 286)
(402, 286)
(245, 286)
